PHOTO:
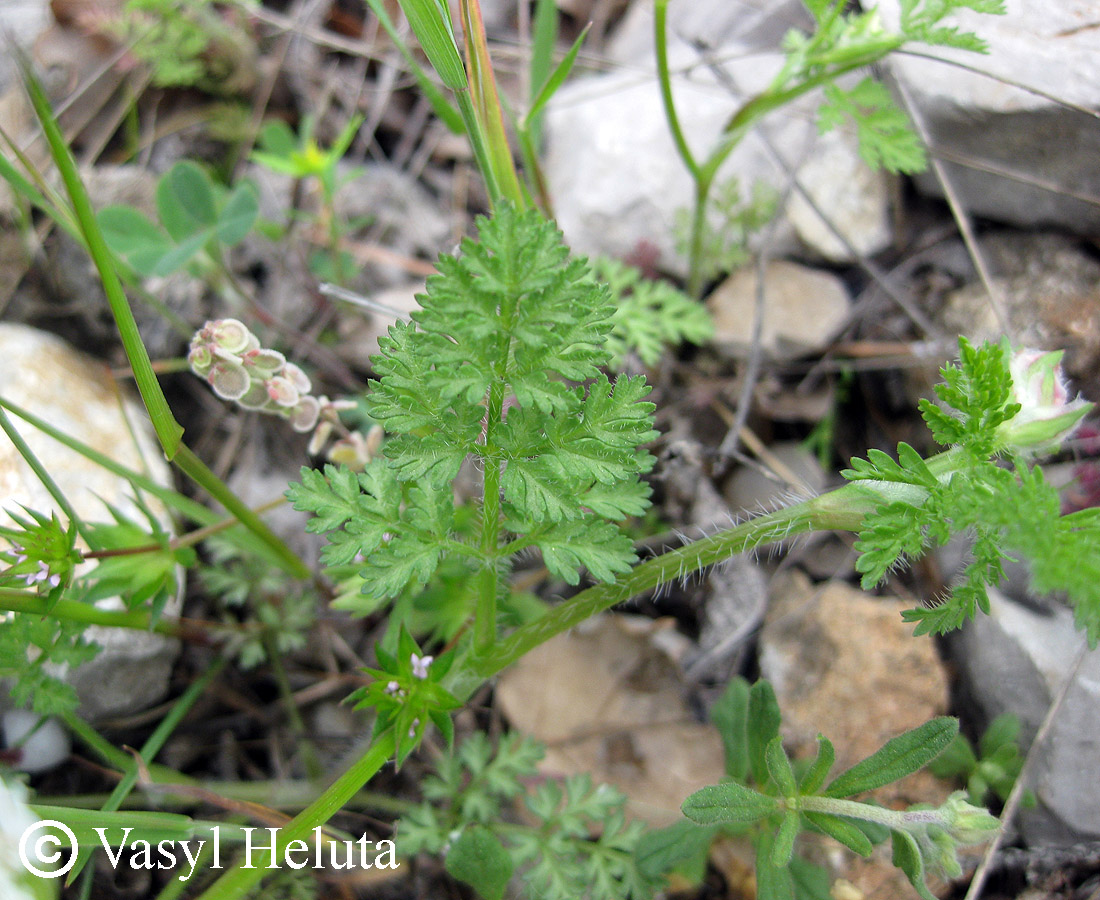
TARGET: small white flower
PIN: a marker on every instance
(420, 665)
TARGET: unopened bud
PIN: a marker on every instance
(1047, 415)
(230, 334)
(282, 391)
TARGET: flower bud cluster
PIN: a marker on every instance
(237, 368)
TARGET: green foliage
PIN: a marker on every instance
(280, 612)
(1004, 509)
(732, 222)
(843, 40)
(300, 156)
(407, 696)
(886, 140)
(137, 563)
(195, 213)
(186, 43)
(573, 845)
(770, 802)
(40, 554)
(992, 767)
(649, 315)
(481, 374)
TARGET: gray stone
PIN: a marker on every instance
(1015, 660)
(1049, 287)
(21, 21)
(618, 182)
(798, 475)
(803, 310)
(1024, 157)
(76, 394)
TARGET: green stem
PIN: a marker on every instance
(12, 600)
(664, 78)
(842, 509)
(698, 233)
(485, 616)
(195, 469)
(478, 146)
(237, 882)
(168, 430)
(895, 820)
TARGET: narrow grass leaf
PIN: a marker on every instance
(556, 79)
(431, 23)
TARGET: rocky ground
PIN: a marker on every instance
(868, 280)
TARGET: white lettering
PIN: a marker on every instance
(248, 848)
(117, 858)
(141, 850)
(390, 852)
(193, 860)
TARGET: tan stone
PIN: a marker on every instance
(804, 309)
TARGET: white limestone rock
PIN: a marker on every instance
(614, 174)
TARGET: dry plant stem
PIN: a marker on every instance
(993, 293)
(1012, 805)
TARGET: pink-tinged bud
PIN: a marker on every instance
(297, 377)
(231, 335)
(200, 358)
(282, 391)
(229, 382)
(1047, 415)
(265, 362)
(304, 415)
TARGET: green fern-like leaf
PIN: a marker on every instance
(650, 316)
(500, 365)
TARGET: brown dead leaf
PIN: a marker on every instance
(607, 702)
